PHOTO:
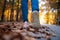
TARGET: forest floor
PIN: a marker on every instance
(30, 34)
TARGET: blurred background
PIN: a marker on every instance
(49, 11)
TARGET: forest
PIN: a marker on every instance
(10, 11)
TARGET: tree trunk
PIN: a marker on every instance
(4, 6)
(17, 11)
(12, 11)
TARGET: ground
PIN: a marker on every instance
(25, 33)
(56, 28)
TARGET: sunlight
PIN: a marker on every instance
(43, 13)
(42, 17)
(47, 15)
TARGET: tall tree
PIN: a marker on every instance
(12, 11)
(17, 11)
(4, 6)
